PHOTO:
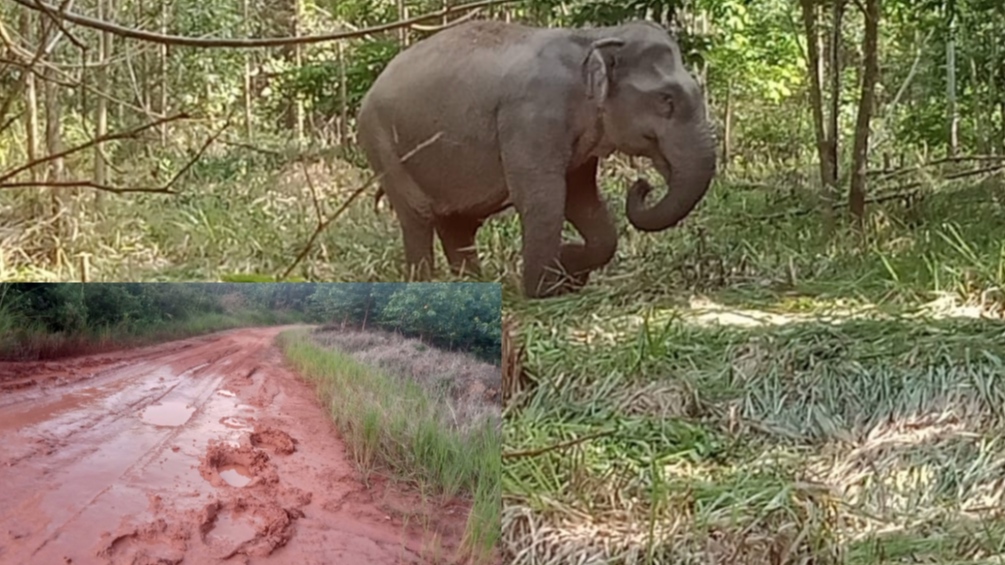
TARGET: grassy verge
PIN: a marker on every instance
(23, 340)
(397, 425)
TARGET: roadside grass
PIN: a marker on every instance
(760, 394)
(26, 340)
(399, 425)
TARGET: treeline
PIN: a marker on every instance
(455, 316)
(458, 316)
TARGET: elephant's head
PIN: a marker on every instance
(652, 107)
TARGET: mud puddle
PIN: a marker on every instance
(192, 452)
(235, 475)
(167, 414)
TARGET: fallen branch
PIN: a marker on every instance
(323, 225)
(555, 447)
(164, 39)
(903, 191)
(886, 174)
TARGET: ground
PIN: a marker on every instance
(749, 391)
(203, 450)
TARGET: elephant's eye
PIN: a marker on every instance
(666, 103)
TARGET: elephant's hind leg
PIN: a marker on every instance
(588, 213)
(457, 234)
(416, 228)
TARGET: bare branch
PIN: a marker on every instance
(166, 189)
(57, 21)
(84, 184)
(469, 16)
(322, 226)
(152, 37)
(102, 139)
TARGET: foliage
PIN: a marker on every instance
(463, 317)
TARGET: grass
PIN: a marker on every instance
(398, 424)
(23, 340)
(769, 394)
(766, 395)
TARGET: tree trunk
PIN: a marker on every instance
(834, 133)
(31, 121)
(727, 126)
(248, 110)
(870, 74)
(101, 110)
(54, 145)
(298, 58)
(952, 117)
(815, 69)
(343, 90)
(163, 104)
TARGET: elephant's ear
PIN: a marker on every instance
(595, 72)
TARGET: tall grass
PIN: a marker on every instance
(396, 425)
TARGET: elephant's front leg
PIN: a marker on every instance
(588, 213)
(535, 154)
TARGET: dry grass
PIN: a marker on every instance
(471, 385)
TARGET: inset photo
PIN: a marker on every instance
(250, 422)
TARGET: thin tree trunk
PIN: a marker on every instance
(54, 145)
(163, 106)
(952, 117)
(343, 127)
(298, 58)
(834, 133)
(101, 110)
(727, 126)
(870, 74)
(31, 122)
(248, 128)
(815, 69)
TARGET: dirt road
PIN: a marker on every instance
(193, 451)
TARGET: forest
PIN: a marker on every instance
(52, 319)
(806, 369)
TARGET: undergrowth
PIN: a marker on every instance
(27, 340)
(396, 425)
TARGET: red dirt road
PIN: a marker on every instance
(196, 451)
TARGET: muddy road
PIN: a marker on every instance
(203, 450)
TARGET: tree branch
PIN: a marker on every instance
(152, 37)
(323, 225)
(101, 139)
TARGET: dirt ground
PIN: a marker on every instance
(197, 451)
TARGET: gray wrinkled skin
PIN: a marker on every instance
(498, 114)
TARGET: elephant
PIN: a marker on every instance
(487, 115)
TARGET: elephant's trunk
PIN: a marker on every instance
(687, 165)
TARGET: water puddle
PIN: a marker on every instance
(225, 392)
(235, 423)
(167, 414)
(235, 475)
(231, 531)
